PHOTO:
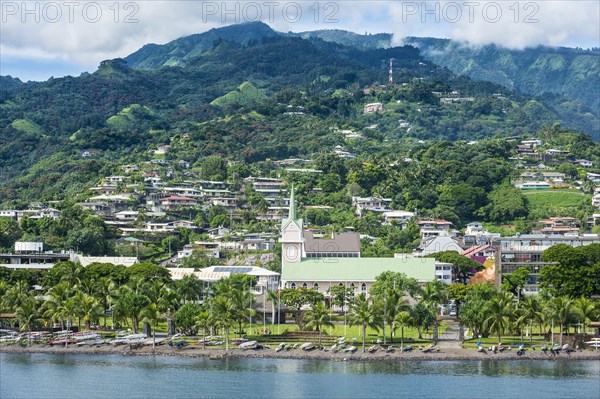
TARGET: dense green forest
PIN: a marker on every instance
(563, 78)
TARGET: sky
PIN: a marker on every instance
(40, 39)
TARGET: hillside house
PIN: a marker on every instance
(371, 204)
(532, 185)
(584, 163)
(559, 225)
(553, 177)
(398, 217)
(434, 228)
(175, 202)
(372, 108)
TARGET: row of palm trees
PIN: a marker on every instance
(229, 303)
(488, 311)
(84, 301)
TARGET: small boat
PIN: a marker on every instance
(407, 348)
(373, 349)
(480, 349)
(247, 345)
(389, 349)
(280, 347)
(84, 336)
(295, 346)
(427, 349)
(131, 339)
(91, 342)
(63, 341)
(308, 346)
(350, 349)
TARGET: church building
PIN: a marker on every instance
(320, 263)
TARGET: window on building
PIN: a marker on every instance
(316, 286)
(293, 286)
(363, 287)
(304, 285)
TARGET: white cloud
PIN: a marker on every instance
(84, 36)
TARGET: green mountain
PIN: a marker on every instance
(366, 41)
(259, 96)
(180, 51)
(573, 73)
(561, 77)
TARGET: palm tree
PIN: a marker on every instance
(242, 300)
(393, 303)
(586, 309)
(189, 288)
(27, 313)
(203, 323)
(224, 314)
(151, 314)
(365, 314)
(562, 310)
(16, 295)
(318, 317)
(500, 311)
(104, 292)
(130, 305)
(530, 311)
(434, 292)
(53, 306)
(89, 308)
(71, 272)
(401, 320)
(68, 309)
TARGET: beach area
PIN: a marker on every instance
(194, 350)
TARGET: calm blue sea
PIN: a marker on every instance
(113, 376)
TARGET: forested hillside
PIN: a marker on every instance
(567, 79)
(260, 96)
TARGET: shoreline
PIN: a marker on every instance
(236, 353)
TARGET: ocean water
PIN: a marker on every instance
(114, 376)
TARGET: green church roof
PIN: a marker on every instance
(357, 269)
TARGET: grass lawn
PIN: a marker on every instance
(554, 202)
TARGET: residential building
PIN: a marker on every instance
(553, 177)
(398, 217)
(372, 108)
(559, 225)
(532, 185)
(182, 191)
(127, 216)
(480, 253)
(434, 228)
(526, 250)
(583, 163)
(209, 248)
(438, 243)
(175, 202)
(372, 204)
